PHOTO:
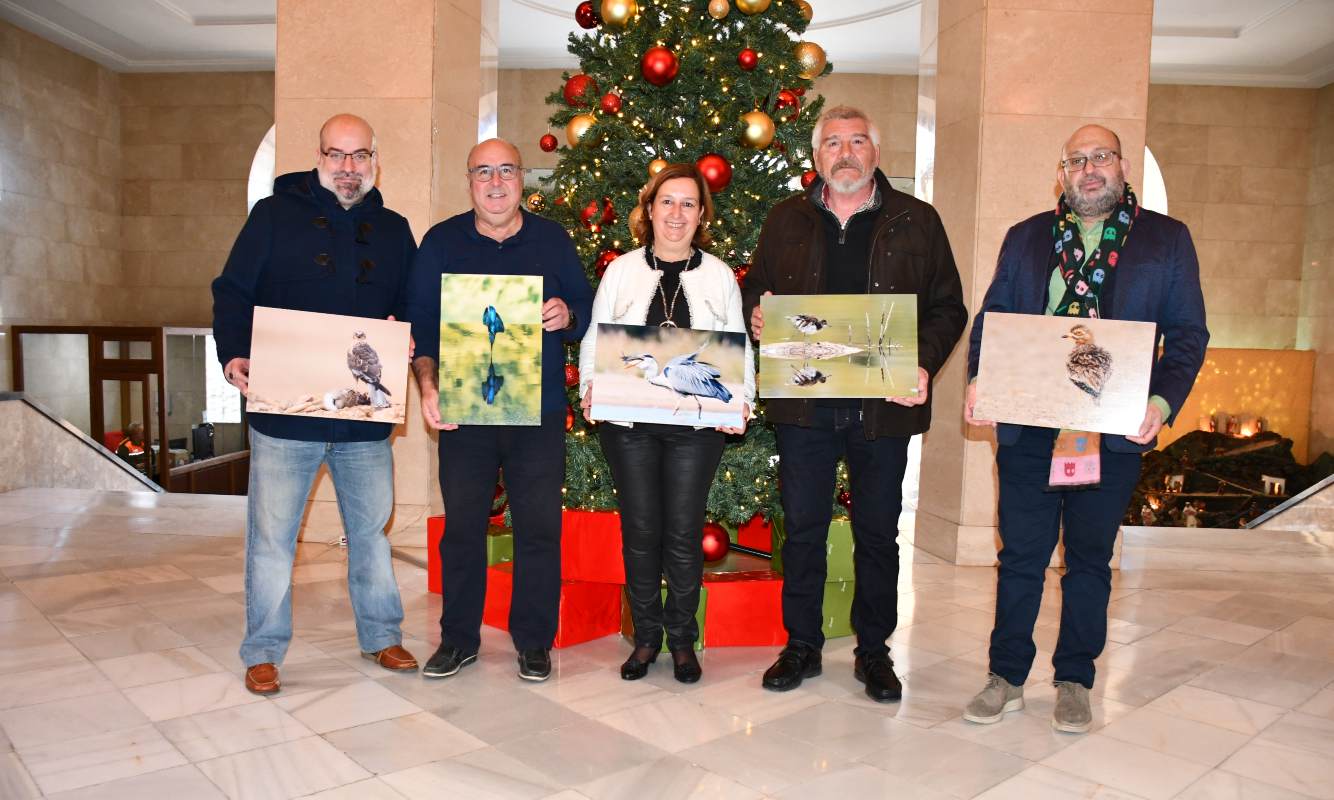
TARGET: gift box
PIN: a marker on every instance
(628, 623)
(587, 610)
(745, 609)
(755, 534)
(499, 548)
(838, 609)
(838, 549)
(590, 547)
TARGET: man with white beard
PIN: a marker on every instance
(851, 233)
(323, 242)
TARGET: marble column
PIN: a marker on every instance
(1008, 81)
(415, 69)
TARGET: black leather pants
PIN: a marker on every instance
(662, 475)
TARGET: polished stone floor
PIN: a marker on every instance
(120, 615)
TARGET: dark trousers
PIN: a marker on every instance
(1031, 520)
(533, 459)
(808, 459)
(662, 475)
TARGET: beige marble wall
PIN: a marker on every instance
(187, 140)
(1315, 326)
(1237, 164)
(48, 456)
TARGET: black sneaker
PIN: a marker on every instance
(795, 663)
(447, 660)
(535, 665)
(877, 672)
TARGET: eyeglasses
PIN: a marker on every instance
(1100, 159)
(338, 156)
(483, 173)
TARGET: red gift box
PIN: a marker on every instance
(590, 547)
(754, 533)
(435, 531)
(745, 609)
(587, 610)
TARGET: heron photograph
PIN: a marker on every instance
(1084, 374)
(673, 376)
(491, 349)
(328, 365)
(838, 345)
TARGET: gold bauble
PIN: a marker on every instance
(577, 127)
(752, 6)
(536, 202)
(805, 8)
(719, 8)
(759, 130)
(811, 59)
(655, 166)
(618, 14)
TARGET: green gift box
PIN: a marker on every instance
(838, 608)
(499, 546)
(838, 549)
(628, 623)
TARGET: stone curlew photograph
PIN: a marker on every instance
(328, 365)
(838, 345)
(491, 349)
(673, 376)
(1065, 372)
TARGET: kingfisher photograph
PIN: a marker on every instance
(838, 345)
(328, 365)
(1077, 373)
(491, 349)
(672, 376)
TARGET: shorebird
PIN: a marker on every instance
(808, 376)
(684, 375)
(1088, 365)
(807, 324)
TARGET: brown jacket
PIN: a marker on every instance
(910, 254)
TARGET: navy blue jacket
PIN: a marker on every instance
(1157, 279)
(301, 250)
(541, 247)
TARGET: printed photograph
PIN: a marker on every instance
(674, 376)
(491, 349)
(1065, 372)
(838, 345)
(328, 365)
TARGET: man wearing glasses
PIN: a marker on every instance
(497, 238)
(1099, 255)
(323, 242)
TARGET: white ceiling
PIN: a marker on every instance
(1241, 42)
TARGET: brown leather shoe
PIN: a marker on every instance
(262, 679)
(395, 658)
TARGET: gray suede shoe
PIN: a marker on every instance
(1072, 714)
(991, 704)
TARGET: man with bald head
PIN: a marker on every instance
(1099, 255)
(323, 242)
(497, 237)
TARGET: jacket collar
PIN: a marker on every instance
(892, 201)
(307, 185)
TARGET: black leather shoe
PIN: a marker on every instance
(877, 672)
(535, 665)
(685, 666)
(796, 663)
(447, 660)
(636, 666)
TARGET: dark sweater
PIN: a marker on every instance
(541, 247)
(301, 250)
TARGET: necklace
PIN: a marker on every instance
(667, 311)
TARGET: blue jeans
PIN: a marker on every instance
(281, 474)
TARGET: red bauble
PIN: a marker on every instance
(590, 212)
(716, 171)
(560, 200)
(741, 272)
(608, 212)
(808, 177)
(586, 16)
(569, 418)
(659, 66)
(715, 542)
(605, 259)
(799, 91)
(548, 143)
(845, 498)
(571, 375)
(788, 99)
(747, 59)
(577, 88)
(611, 103)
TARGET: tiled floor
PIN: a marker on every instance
(120, 616)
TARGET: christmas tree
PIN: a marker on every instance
(715, 82)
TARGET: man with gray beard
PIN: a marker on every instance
(323, 242)
(1099, 255)
(851, 233)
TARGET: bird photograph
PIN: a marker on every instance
(1088, 365)
(364, 364)
(490, 349)
(674, 376)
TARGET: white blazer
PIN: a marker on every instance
(629, 285)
